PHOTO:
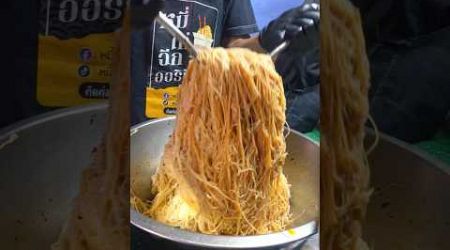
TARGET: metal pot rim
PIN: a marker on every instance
(218, 241)
(134, 129)
(221, 241)
(442, 166)
(49, 116)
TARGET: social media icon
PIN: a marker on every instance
(83, 71)
(86, 55)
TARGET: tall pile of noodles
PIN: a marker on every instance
(222, 170)
(344, 111)
(99, 219)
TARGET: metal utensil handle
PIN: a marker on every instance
(174, 31)
(278, 50)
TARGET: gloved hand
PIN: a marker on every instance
(299, 21)
(299, 67)
(143, 12)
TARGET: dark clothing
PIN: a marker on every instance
(300, 70)
(408, 43)
(19, 20)
(158, 61)
(143, 12)
(303, 109)
(410, 92)
(393, 20)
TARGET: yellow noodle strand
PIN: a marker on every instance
(344, 110)
(222, 168)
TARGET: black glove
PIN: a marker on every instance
(292, 23)
(300, 72)
(143, 12)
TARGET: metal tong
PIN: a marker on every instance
(174, 31)
(274, 54)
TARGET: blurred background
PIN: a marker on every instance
(265, 11)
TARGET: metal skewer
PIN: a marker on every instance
(312, 33)
(174, 31)
(278, 50)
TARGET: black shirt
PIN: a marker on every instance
(393, 20)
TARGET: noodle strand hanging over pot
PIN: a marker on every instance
(222, 170)
(344, 73)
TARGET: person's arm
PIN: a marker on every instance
(239, 25)
(296, 22)
(244, 42)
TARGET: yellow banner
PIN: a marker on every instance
(161, 102)
(74, 71)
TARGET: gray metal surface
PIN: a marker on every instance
(410, 206)
(40, 169)
(302, 171)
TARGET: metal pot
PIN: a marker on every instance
(410, 206)
(41, 160)
(302, 171)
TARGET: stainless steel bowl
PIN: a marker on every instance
(40, 164)
(41, 160)
(302, 170)
(410, 206)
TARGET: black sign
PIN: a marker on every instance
(167, 58)
(94, 90)
(77, 18)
